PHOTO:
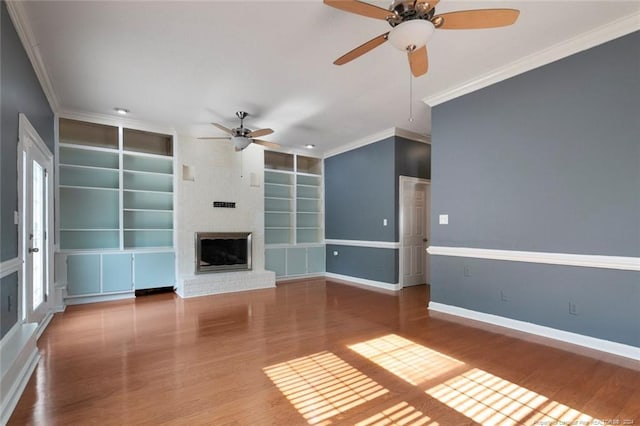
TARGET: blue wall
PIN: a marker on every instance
(362, 189)
(546, 161)
(20, 92)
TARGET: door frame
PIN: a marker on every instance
(29, 141)
(401, 224)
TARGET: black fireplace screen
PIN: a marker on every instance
(217, 252)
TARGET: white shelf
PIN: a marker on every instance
(88, 187)
(77, 166)
(89, 229)
(78, 145)
(142, 172)
(148, 210)
(148, 155)
(147, 229)
(147, 191)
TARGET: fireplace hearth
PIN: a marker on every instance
(222, 251)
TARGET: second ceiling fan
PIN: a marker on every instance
(413, 22)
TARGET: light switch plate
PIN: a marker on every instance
(443, 219)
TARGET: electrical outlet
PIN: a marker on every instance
(335, 252)
(467, 270)
(573, 309)
(503, 296)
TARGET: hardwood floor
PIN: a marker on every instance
(311, 352)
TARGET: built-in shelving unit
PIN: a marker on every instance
(293, 214)
(116, 194)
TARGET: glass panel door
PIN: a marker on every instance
(37, 249)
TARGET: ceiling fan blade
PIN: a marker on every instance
(361, 50)
(418, 61)
(260, 132)
(426, 4)
(476, 19)
(224, 129)
(360, 8)
(217, 138)
(266, 143)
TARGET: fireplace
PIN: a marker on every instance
(223, 251)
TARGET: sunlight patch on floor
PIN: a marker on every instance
(322, 385)
(399, 414)
(488, 399)
(408, 360)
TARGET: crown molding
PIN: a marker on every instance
(111, 120)
(377, 137)
(20, 22)
(599, 35)
(407, 134)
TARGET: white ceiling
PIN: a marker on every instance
(186, 64)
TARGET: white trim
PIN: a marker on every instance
(25, 33)
(377, 137)
(10, 266)
(364, 243)
(539, 330)
(362, 281)
(79, 300)
(599, 35)
(20, 357)
(119, 121)
(584, 260)
(286, 278)
(413, 136)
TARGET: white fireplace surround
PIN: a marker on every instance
(218, 173)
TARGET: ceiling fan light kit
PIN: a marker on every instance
(413, 23)
(411, 35)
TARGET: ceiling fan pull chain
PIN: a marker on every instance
(410, 96)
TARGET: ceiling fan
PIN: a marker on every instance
(413, 23)
(242, 137)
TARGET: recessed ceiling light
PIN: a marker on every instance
(121, 111)
(310, 146)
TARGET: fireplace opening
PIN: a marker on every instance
(223, 251)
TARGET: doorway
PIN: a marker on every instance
(35, 192)
(414, 203)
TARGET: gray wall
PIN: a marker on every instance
(546, 161)
(361, 189)
(20, 92)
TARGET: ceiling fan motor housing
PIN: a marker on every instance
(404, 10)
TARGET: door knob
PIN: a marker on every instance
(34, 250)
(425, 240)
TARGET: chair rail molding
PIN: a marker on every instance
(10, 266)
(584, 260)
(364, 243)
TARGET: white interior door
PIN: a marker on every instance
(414, 224)
(36, 224)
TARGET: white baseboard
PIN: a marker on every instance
(78, 300)
(614, 348)
(299, 277)
(364, 282)
(20, 357)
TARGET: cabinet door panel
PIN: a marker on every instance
(116, 272)
(153, 270)
(315, 259)
(83, 274)
(275, 260)
(296, 261)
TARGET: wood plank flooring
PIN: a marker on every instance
(312, 352)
